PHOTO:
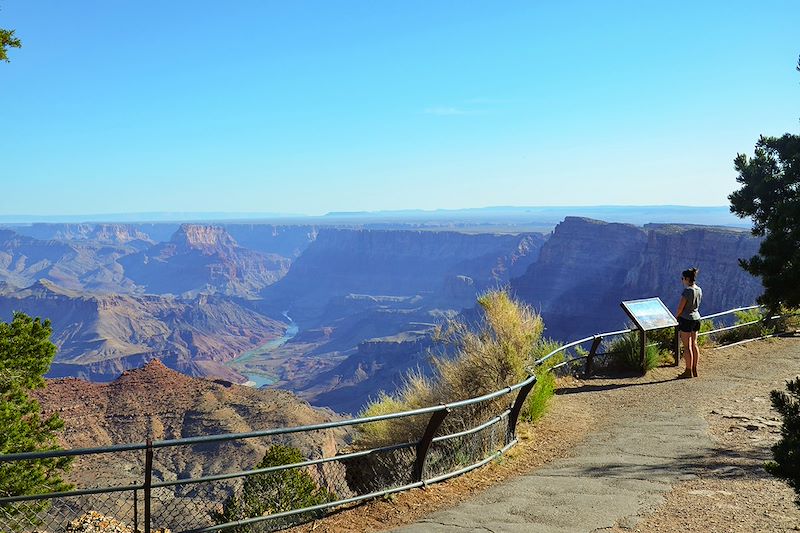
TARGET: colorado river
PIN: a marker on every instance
(254, 377)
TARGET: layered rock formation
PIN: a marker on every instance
(98, 232)
(379, 364)
(100, 336)
(202, 258)
(587, 267)
(375, 294)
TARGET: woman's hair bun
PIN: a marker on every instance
(694, 270)
(690, 274)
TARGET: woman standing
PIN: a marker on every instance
(689, 321)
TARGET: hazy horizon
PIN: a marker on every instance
(513, 218)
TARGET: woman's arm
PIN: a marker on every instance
(681, 305)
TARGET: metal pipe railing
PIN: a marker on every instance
(601, 336)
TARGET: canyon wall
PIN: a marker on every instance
(447, 267)
(588, 267)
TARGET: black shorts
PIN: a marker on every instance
(688, 326)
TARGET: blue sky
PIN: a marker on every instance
(309, 107)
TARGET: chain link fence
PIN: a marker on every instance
(164, 486)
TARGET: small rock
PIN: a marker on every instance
(739, 416)
(702, 492)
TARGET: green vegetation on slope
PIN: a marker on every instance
(274, 492)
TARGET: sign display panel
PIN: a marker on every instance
(649, 313)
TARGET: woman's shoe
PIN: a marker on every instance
(694, 372)
(685, 374)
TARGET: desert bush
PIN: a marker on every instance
(275, 492)
(705, 326)
(760, 328)
(786, 450)
(788, 322)
(624, 354)
(665, 338)
(488, 356)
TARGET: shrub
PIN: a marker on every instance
(789, 321)
(625, 354)
(787, 450)
(275, 492)
(760, 328)
(665, 338)
(544, 389)
(705, 326)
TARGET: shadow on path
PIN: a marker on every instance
(716, 461)
(609, 386)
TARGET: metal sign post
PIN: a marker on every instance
(648, 314)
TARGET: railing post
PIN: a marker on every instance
(513, 416)
(590, 359)
(425, 443)
(136, 510)
(148, 481)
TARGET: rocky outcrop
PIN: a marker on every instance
(367, 288)
(587, 267)
(203, 258)
(159, 403)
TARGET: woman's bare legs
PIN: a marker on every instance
(695, 352)
(688, 352)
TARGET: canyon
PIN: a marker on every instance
(359, 304)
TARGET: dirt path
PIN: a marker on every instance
(636, 454)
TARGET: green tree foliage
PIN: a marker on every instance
(770, 194)
(7, 40)
(25, 356)
(274, 492)
(787, 450)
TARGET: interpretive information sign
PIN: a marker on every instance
(649, 313)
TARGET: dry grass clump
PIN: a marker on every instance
(483, 358)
